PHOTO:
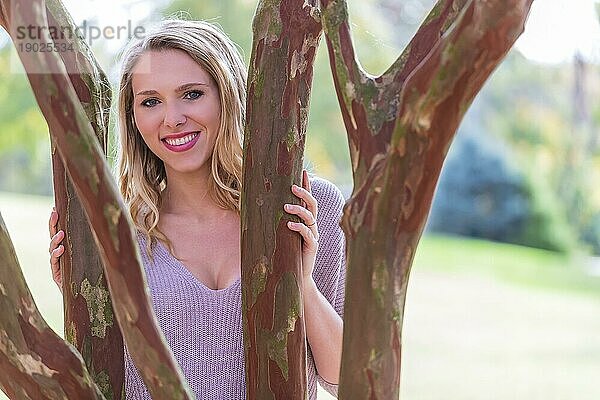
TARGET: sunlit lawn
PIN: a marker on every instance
(483, 320)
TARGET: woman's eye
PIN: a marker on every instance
(193, 94)
(149, 102)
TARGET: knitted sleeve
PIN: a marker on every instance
(330, 264)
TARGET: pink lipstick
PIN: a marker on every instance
(181, 143)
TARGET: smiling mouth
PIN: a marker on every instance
(181, 144)
(181, 141)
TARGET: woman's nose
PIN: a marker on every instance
(174, 117)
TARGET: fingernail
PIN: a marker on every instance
(287, 206)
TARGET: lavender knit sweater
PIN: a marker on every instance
(203, 326)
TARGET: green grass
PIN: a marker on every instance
(509, 263)
(483, 320)
(26, 218)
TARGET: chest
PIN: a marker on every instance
(210, 252)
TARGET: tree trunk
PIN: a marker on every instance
(35, 362)
(400, 126)
(88, 311)
(82, 156)
(286, 35)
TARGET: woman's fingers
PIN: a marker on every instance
(56, 249)
(308, 210)
(55, 265)
(55, 241)
(305, 181)
(305, 185)
(54, 260)
(309, 238)
(311, 202)
(52, 222)
(307, 213)
(300, 211)
(306, 216)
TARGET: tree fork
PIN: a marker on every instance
(400, 126)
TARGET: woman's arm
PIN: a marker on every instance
(323, 273)
(324, 332)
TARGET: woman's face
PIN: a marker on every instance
(176, 109)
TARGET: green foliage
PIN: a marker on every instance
(546, 226)
(532, 107)
(24, 140)
(234, 16)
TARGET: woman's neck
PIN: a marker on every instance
(187, 195)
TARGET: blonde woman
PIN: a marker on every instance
(181, 115)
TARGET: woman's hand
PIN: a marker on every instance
(56, 249)
(308, 228)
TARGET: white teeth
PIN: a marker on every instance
(183, 140)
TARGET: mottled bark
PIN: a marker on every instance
(35, 362)
(400, 126)
(286, 35)
(88, 311)
(82, 156)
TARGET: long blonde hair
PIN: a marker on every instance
(142, 175)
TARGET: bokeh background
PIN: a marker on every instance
(504, 296)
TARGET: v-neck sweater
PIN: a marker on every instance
(203, 326)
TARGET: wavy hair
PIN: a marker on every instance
(142, 176)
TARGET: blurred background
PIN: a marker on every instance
(504, 297)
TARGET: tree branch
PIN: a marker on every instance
(97, 338)
(369, 104)
(349, 77)
(35, 362)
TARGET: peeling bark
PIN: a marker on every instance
(35, 362)
(400, 126)
(82, 156)
(88, 312)
(286, 35)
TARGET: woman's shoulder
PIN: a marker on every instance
(328, 195)
(147, 253)
(139, 236)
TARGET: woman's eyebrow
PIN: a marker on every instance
(181, 88)
(189, 85)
